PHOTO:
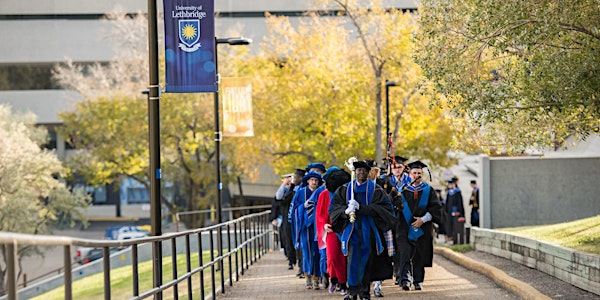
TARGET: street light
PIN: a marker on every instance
(387, 106)
(218, 135)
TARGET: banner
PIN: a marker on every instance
(190, 46)
(237, 107)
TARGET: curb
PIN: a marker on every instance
(500, 277)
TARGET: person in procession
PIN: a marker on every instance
(361, 212)
(474, 203)
(454, 208)
(277, 209)
(294, 256)
(303, 236)
(328, 240)
(414, 243)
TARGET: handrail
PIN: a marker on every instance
(255, 231)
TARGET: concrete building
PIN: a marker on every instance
(36, 35)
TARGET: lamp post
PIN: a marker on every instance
(154, 145)
(218, 137)
(387, 106)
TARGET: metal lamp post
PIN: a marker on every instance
(218, 138)
(387, 105)
(218, 134)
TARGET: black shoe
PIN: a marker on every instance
(406, 286)
(290, 267)
(350, 297)
(397, 281)
(418, 287)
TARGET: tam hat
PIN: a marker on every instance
(329, 171)
(336, 179)
(319, 166)
(312, 174)
(361, 164)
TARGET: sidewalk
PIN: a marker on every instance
(269, 279)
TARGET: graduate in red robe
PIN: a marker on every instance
(336, 261)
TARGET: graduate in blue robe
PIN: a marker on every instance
(303, 227)
(362, 240)
(414, 239)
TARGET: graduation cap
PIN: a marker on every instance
(329, 171)
(399, 159)
(336, 179)
(473, 181)
(319, 166)
(371, 163)
(312, 174)
(300, 172)
(416, 165)
(361, 164)
(419, 165)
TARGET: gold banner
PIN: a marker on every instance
(236, 96)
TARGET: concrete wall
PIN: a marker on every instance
(527, 191)
(577, 268)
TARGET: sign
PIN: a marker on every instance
(237, 107)
(190, 46)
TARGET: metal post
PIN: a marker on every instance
(154, 145)
(11, 270)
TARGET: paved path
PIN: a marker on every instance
(269, 278)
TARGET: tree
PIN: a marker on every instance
(320, 100)
(522, 73)
(32, 195)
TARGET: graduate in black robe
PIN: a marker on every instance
(363, 240)
(414, 239)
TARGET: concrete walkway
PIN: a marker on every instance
(269, 278)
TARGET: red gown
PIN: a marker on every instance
(336, 261)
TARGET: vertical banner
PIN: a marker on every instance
(190, 46)
(236, 96)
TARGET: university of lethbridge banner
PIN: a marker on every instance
(190, 46)
(237, 106)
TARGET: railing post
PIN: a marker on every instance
(106, 264)
(11, 272)
(68, 276)
(229, 251)
(212, 265)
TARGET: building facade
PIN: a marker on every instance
(37, 35)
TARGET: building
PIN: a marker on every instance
(39, 34)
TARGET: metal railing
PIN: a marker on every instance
(251, 235)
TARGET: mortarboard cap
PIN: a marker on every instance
(399, 159)
(371, 162)
(473, 181)
(416, 165)
(300, 172)
(287, 175)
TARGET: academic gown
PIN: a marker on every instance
(454, 203)
(336, 261)
(308, 239)
(362, 241)
(424, 244)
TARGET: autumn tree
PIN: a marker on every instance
(33, 196)
(522, 73)
(318, 98)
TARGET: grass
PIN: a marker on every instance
(581, 235)
(121, 280)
